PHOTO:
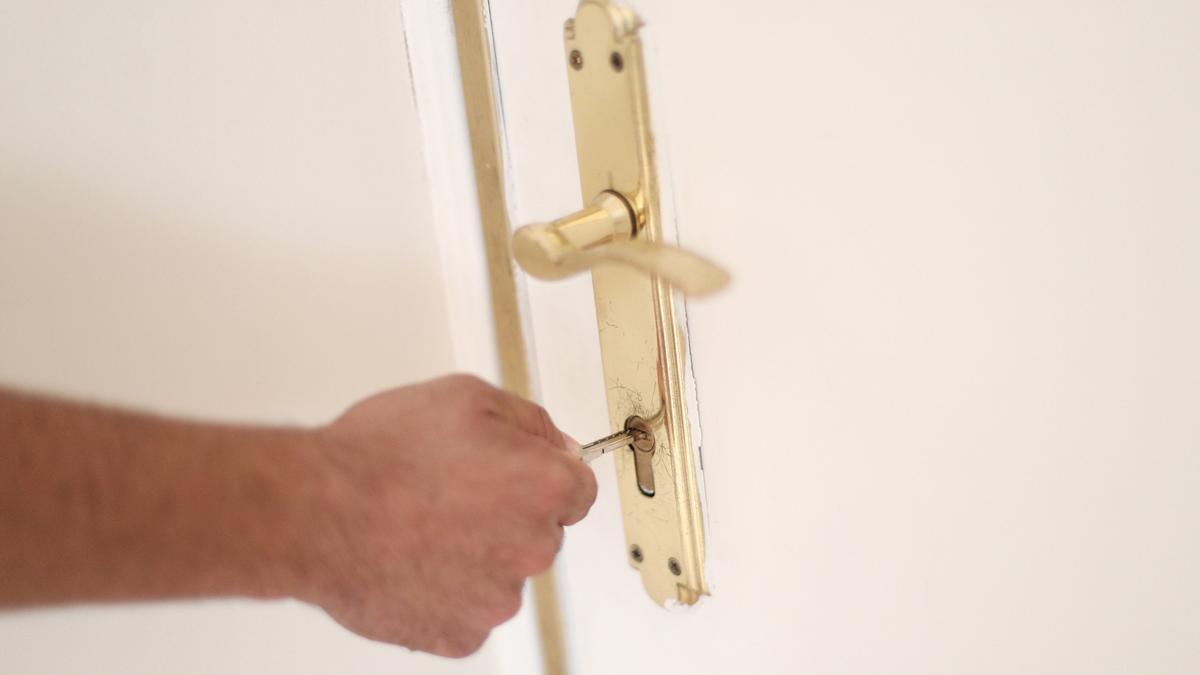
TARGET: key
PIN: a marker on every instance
(609, 443)
(637, 434)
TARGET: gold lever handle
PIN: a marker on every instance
(604, 232)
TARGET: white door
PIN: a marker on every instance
(950, 406)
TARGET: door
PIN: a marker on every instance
(949, 409)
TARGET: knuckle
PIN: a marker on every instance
(559, 481)
(465, 381)
(506, 607)
(470, 388)
(461, 643)
(537, 558)
(479, 403)
(590, 486)
(549, 430)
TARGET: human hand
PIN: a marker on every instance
(438, 501)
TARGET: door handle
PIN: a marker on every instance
(606, 232)
(619, 237)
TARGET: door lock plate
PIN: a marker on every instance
(642, 346)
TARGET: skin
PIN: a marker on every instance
(414, 518)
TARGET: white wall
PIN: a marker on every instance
(215, 209)
(951, 402)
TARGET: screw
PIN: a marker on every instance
(635, 552)
(673, 565)
(576, 59)
(617, 61)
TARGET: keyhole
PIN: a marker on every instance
(643, 453)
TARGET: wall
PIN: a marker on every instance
(215, 209)
(950, 402)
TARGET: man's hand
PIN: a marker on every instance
(443, 498)
(415, 518)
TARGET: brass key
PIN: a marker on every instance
(637, 434)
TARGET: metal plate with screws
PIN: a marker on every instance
(641, 343)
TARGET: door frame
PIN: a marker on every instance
(452, 68)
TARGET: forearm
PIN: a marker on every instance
(97, 504)
(414, 518)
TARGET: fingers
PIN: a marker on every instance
(574, 485)
(584, 495)
(559, 483)
(496, 600)
(473, 487)
(460, 643)
(525, 415)
(532, 418)
(573, 446)
(569, 487)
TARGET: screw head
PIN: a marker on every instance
(617, 61)
(576, 59)
(635, 552)
(673, 565)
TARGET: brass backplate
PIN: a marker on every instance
(641, 342)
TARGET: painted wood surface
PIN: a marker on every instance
(949, 406)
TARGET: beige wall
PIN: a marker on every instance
(215, 209)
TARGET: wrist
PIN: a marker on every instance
(317, 498)
(295, 510)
